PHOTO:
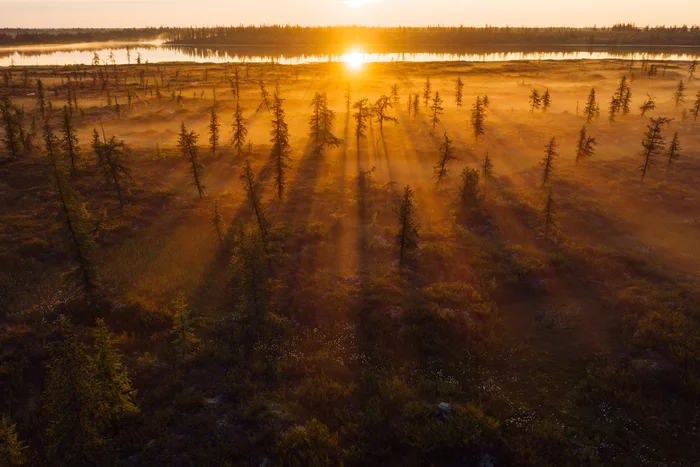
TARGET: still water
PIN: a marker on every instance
(154, 52)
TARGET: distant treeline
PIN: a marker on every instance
(462, 36)
(621, 34)
(68, 36)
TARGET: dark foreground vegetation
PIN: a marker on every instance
(395, 264)
(398, 37)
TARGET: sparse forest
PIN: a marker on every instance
(315, 265)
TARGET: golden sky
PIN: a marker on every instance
(136, 13)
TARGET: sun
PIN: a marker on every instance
(353, 60)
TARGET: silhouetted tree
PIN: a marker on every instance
(407, 237)
(691, 70)
(427, 91)
(653, 143)
(214, 132)
(395, 95)
(548, 212)
(679, 95)
(410, 104)
(348, 97)
(361, 116)
(548, 161)
(478, 117)
(321, 123)
(487, 170)
(546, 100)
(446, 156)
(437, 109)
(416, 105)
(485, 100)
(592, 109)
(674, 151)
(253, 190)
(459, 90)
(69, 143)
(586, 145)
(380, 109)
(280, 143)
(647, 106)
(113, 154)
(187, 143)
(40, 98)
(535, 100)
(240, 132)
(74, 218)
(264, 97)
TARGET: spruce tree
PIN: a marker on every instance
(478, 117)
(674, 151)
(348, 97)
(253, 190)
(240, 131)
(696, 107)
(487, 170)
(321, 123)
(183, 336)
(187, 143)
(113, 154)
(113, 385)
(217, 222)
(73, 434)
(437, 109)
(74, 219)
(647, 106)
(592, 110)
(24, 138)
(535, 100)
(416, 105)
(409, 102)
(264, 97)
(395, 95)
(11, 448)
(459, 90)
(251, 268)
(546, 100)
(548, 214)
(679, 95)
(361, 116)
(11, 138)
(427, 91)
(469, 186)
(380, 109)
(214, 132)
(446, 156)
(691, 70)
(40, 98)
(407, 236)
(69, 142)
(281, 149)
(548, 161)
(653, 143)
(586, 145)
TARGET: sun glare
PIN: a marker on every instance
(353, 60)
(356, 3)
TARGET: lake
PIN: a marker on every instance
(155, 52)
